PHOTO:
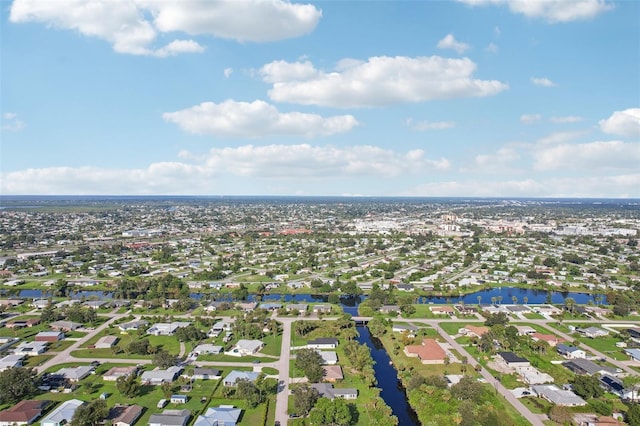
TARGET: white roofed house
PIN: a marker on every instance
(133, 325)
(223, 415)
(106, 342)
(158, 376)
(328, 357)
(166, 329)
(62, 414)
(246, 347)
(236, 375)
(593, 332)
(75, 374)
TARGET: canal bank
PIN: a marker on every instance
(391, 390)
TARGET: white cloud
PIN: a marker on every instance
(133, 26)
(422, 126)
(543, 82)
(504, 157)
(449, 42)
(254, 120)
(177, 47)
(561, 137)
(491, 48)
(609, 155)
(379, 81)
(530, 118)
(617, 186)
(227, 72)
(553, 11)
(209, 173)
(566, 119)
(622, 123)
(11, 122)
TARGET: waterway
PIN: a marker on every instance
(504, 295)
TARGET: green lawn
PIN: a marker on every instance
(452, 327)
(533, 315)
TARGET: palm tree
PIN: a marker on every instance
(525, 299)
(500, 299)
(514, 299)
(479, 299)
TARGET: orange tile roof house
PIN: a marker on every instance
(551, 339)
(473, 330)
(429, 352)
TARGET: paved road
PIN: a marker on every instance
(534, 419)
(282, 398)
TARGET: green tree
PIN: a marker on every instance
(17, 384)
(164, 359)
(468, 388)
(310, 362)
(304, 398)
(587, 387)
(249, 392)
(90, 414)
(633, 415)
(129, 385)
(377, 326)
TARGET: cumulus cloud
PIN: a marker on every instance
(609, 155)
(617, 186)
(622, 123)
(561, 137)
(566, 119)
(530, 118)
(11, 122)
(422, 126)
(132, 26)
(227, 72)
(450, 42)
(209, 173)
(553, 11)
(543, 82)
(255, 119)
(501, 161)
(379, 81)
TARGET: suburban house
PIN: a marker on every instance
(473, 330)
(158, 376)
(65, 325)
(323, 343)
(115, 372)
(512, 360)
(11, 361)
(584, 366)
(124, 415)
(409, 329)
(223, 415)
(633, 353)
(593, 332)
(170, 418)
(322, 309)
(207, 348)
(31, 348)
(62, 414)
(327, 390)
(300, 307)
(236, 375)
(525, 330)
(23, 413)
(387, 309)
(201, 373)
(75, 374)
(429, 352)
(328, 357)
(557, 396)
(551, 339)
(442, 310)
(179, 399)
(615, 386)
(166, 328)
(332, 373)
(133, 325)
(634, 332)
(106, 342)
(570, 352)
(49, 336)
(30, 322)
(245, 347)
(270, 306)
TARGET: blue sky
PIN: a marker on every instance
(509, 98)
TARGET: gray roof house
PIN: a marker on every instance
(246, 347)
(224, 415)
(323, 343)
(584, 366)
(157, 377)
(75, 374)
(62, 414)
(133, 325)
(557, 396)
(236, 375)
(328, 391)
(170, 418)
